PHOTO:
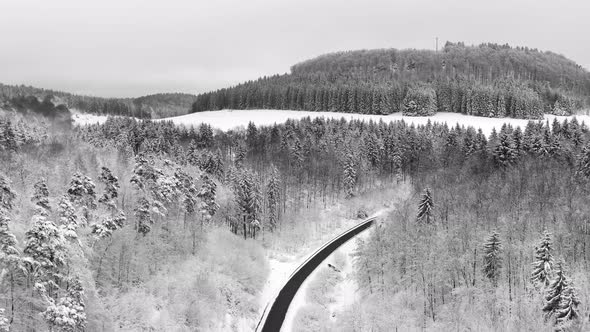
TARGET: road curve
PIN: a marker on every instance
(272, 319)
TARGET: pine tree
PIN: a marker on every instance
(68, 314)
(208, 196)
(68, 218)
(143, 216)
(45, 250)
(492, 262)
(41, 196)
(240, 156)
(296, 153)
(349, 175)
(248, 197)
(7, 195)
(425, 208)
(205, 136)
(568, 308)
(113, 218)
(81, 193)
(505, 152)
(146, 180)
(9, 254)
(561, 300)
(543, 265)
(584, 162)
(273, 198)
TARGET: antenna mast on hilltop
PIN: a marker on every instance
(437, 44)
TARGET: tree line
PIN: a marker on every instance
(488, 80)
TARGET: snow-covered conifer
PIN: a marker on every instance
(349, 175)
(425, 208)
(273, 192)
(143, 216)
(68, 313)
(584, 162)
(568, 313)
(208, 194)
(543, 265)
(505, 152)
(41, 197)
(492, 260)
(7, 195)
(561, 300)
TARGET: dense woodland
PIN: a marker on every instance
(487, 80)
(144, 225)
(152, 106)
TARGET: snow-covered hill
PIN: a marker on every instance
(230, 119)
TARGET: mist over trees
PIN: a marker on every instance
(487, 80)
(53, 104)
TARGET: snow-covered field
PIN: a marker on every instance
(83, 119)
(230, 119)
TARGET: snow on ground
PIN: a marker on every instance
(83, 119)
(230, 119)
(346, 289)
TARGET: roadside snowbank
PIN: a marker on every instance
(345, 292)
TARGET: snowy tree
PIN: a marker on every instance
(188, 193)
(41, 196)
(240, 156)
(543, 265)
(111, 190)
(568, 313)
(296, 153)
(349, 175)
(505, 152)
(425, 208)
(273, 192)
(492, 260)
(9, 254)
(68, 218)
(211, 163)
(143, 216)
(146, 180)
(208, 194)
(7, 195)
(584, 162)
(68, 313)
(114, 218)
(561, 300)
(82, 193)
(248, 197)
(372, 150)
(10, 259)
(45, 250)
(396, 160)
(205, 136)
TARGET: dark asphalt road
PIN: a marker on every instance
(278, 310)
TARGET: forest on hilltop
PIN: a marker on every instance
(161, 105)
(489, 80)
(138, 224)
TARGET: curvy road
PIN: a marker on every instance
(272, 319)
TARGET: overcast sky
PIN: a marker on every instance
(135, 47)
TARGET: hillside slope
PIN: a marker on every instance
(151, 106)
(486, 80)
